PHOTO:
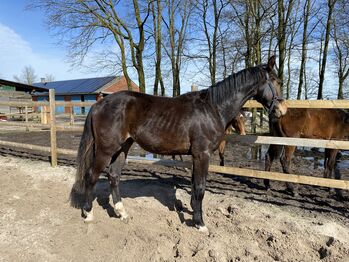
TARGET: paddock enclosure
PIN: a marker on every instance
(245, 223)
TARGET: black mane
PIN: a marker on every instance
(235, 83)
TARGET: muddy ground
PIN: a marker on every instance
(245, 223)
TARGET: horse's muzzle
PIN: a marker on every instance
(280, 108)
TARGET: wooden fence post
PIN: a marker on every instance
(26, 118)
(194, 88)
(72, 115)
(53, 128)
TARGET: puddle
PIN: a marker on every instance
(257, 152)
(343, 164)
(151, 156)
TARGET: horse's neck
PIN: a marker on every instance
(231, 107)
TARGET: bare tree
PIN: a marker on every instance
(210, 13)
(341, 46)
(306, 14)
(283, 20)
(83, 24)
(27, 76)
(295, 23)
(157, 18)
(49, 78)
(176, 21)
(330, 4)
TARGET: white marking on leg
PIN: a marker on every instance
(120, 210)
(203, 229)
(89, 215)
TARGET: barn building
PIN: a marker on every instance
(14, 91)
(82, 90)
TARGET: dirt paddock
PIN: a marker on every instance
(245, 223)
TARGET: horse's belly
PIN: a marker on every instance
(165, 144)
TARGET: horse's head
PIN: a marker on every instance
(239, 124)
(268, 94)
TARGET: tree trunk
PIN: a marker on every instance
(304, 48)
(157, 17)
(248, 37)
(140, 47)
(340, 88)
(331, 4)
(283, 19)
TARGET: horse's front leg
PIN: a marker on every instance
(200, 171)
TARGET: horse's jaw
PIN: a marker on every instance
(280, 109)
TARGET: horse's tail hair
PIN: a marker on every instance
(84, 160)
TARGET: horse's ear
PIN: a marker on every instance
(271, 63)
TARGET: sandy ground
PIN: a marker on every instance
(37, 223)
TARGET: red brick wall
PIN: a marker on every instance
(120, 84)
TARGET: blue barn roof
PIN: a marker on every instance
(77, 86)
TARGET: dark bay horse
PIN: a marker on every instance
(238, 124)
(190, 124)
(306, 123)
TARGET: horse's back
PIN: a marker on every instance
(313, 123)
(158, 124)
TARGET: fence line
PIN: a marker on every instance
(234, 171)
(343, 104)
(289, 141)
(342, 184)
(249, 104)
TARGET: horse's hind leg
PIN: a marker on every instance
(116, 166)
(330, 161)
(330, 167)
(101, 162)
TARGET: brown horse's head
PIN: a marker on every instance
(239, 124)
(270, 91)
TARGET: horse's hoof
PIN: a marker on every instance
(125, 219)
(294, 193)
(120, 211)
(203, 229)
(88, 216)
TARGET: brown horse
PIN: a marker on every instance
(190, 124)
(239, 125)
(306, 123)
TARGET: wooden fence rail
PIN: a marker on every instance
(344, 104)
(341, 184)
(234, 171)
(289, 141)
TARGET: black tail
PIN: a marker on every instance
(84, 161)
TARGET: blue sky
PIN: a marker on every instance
(25, 40)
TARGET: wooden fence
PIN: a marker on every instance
(54, 127)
